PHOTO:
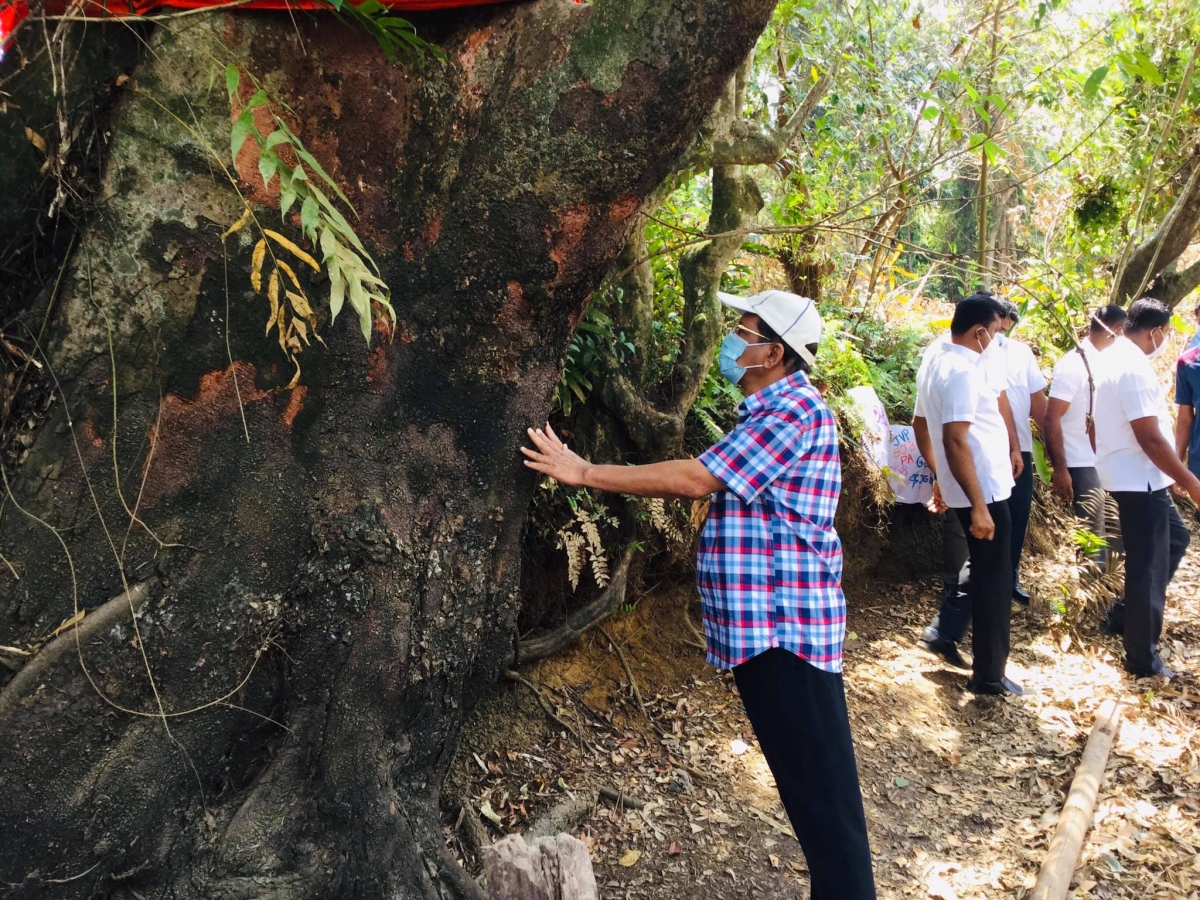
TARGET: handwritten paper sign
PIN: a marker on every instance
(877, 433)
(908, 473)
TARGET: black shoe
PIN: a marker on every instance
(995, 688)
(1020, 596)
(1165, 673)
(1109, 627)
(947, 650)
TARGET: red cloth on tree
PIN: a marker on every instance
(13, 11)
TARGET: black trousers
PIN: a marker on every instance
(1019, 504)
(799, 715)
(1089, 505)
(990, 592)
(1155, 540)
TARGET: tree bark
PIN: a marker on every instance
(1151, 259)
(273, 717)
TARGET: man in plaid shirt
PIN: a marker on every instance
(769, 572)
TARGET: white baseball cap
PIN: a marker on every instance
(794, 318)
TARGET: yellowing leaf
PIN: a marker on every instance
(292, 248)
(301, 329)
(237, 226)
(273, 296)
(256, 264)
(36, 139)
(291, 273)
(295, 377)
(74, 620)
(300, 305)
(630, 857)
(282, 333)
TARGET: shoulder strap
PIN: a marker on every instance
(1090, 421)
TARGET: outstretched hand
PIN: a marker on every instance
(552, 457)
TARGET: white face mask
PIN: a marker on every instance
(1159, 349)
(988, 351)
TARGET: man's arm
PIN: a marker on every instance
(962, 467)
(1037, 410)
(1014, 443)
(1183, 430)
(1150, 438)
(935, 504)
(1053, 435)
(924, 442)
(675, 479)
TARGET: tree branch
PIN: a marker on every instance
(758, 147)
(1172, 285)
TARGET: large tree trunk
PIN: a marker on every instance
(282, 634)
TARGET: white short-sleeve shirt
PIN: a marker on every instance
(1070, 384)
(952, 386)
(1126, 390)
(1025, 379)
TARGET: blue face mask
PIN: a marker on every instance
(732, 349)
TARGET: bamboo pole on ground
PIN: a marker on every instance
(1055, 878)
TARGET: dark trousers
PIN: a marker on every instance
(1089, 505)
(950, 624)
(799, 715)
(990, 592)
(1155, 541)
(1019, 505)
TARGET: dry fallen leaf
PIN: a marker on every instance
(630, 857)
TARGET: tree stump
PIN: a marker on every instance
(548, 868)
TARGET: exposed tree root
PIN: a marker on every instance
(100, 619)
(579, 621)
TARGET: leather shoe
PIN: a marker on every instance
(1020, 595)
(1166, 674)
(995, 688)
(1109, 627)
(947, 650)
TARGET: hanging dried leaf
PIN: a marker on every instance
(256, 264)
(237, 226)
(291, 274)
(295, 377)
(292, 248)
(273, 297)
(36, 139)
(300, 306)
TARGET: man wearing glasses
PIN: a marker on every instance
(769, 572)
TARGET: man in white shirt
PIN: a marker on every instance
(1026, 393)
(964, 437)
(942, 634)
(1136, 459)
(1069, 415)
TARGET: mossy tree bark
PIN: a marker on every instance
(282, 633)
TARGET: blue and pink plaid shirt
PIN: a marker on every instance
(769, 567)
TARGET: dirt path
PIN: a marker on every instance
(961, 793)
